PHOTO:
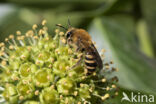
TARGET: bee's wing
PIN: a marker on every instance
(98, 59)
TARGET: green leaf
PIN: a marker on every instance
(148, 10)
(136, 71)
(144, 38)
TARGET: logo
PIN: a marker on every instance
(140, 98)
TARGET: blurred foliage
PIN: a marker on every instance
(126, 26)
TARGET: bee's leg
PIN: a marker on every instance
(78, 63)
(79, 48)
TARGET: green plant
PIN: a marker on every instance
(37, 69)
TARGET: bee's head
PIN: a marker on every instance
(69, 31)
(70, 35)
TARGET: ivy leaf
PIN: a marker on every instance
(136, 71)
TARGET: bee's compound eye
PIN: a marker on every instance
(69, 34)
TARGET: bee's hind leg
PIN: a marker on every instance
(78, 62)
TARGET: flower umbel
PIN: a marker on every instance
(36, 68)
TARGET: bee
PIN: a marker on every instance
(81, 41)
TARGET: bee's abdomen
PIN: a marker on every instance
(90, 64)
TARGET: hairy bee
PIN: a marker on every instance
(81, 41)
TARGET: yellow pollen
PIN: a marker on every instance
(40, 55)
(103, 80)
(34, 27)
(8, 72)
(85, 71)
(11, 36)
(81, 85)
(23, 57)
(63, 40)
(105, 97)
(67, 67)
(103, 50)
(2, 44)
(113, 86)
(6, 39)
(35, 37)
(37, 62)
(47, 38)
(36, 92)
(94, 42)
(107, 66)
(25, 82)
(29, 48)
(61, 33)
(3, 63)
(21, 97)
(57, 30)
(28, 69)
(50, 66)
(66, 91)
(45, 28)
(18, 32)
(61, 96)
(22, 37)
(116, 93)
(70, 51)
(75, 93)
(52, 86)
(28, 92)
(2, 48)
(107, 88)
(11, 47)
(40, 32)
(79, 103)
(85, 102)
(52, 60)
(83, 77)
(91, 90)
(37, 83)
(94, 74)
(44, 22)
(29, 33)
(2, 53)
(48, 77)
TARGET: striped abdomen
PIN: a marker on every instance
(90, 64)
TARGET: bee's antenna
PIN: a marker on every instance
(59, 25)
(69, 24)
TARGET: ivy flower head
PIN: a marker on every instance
(36, 68)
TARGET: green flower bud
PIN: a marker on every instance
(61, 66)
(14, 64)
(49, 96)
(31, 102)
(44, 57)
(27, 69)
(10, 93)
(66, 86)
(43, 77)
(68, 100)
(22, 52)
(25, 89)
(84, 91)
